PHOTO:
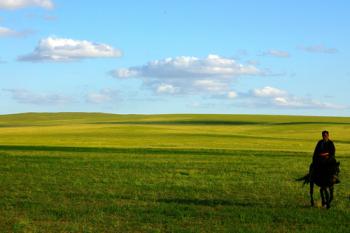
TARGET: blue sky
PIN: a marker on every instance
(255, 57)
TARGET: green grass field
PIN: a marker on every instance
(76, 172)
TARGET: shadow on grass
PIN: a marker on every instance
(182, 122)
(208, 202)
(312, 123)
(149, 150)
(217, 122)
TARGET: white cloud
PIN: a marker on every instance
(16, 4)
(274, 97)
(103, 96)
(224, 95)
(27, 97)
(166, 89)
(210, 85)
(297, 102)
(276, 53)
(232, 94)
(7, 32)
(124, 73)
(269, 92)
(293, 102)
(62, 49)
(189, 67)
(187, 74)
(319, 49)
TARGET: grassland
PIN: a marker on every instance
(75, 172)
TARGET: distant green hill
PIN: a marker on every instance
(181, 131)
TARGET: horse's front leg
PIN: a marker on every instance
(322, 190)
(327, 194)
(331, 190)
(312, 193)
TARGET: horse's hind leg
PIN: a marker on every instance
(322, 191)
(328, 202)
(331, 190)
(325, 197)
(312, 193)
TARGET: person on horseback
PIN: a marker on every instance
(323, 157)
(323, 171)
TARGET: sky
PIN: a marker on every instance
(153, 57)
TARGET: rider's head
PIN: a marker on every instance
(325, 135)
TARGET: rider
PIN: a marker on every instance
(324, 154)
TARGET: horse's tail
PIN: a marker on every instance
(305, 178)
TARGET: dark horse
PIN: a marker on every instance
(324, 176)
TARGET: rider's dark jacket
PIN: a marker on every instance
(324, 147)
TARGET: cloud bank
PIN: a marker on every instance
(103, 96)
(184, 67)
(275, 97)
(63, 50)
(7, 32)
(276, 53)
(24, 96)
(319, 49)
(17, 4)
(185, 74)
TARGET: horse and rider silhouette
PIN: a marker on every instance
(323, 170)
